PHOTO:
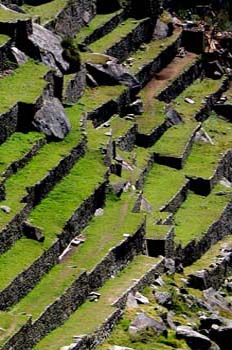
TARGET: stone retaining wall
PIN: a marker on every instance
(196, 248)
(127, 141)
(72, 17)
(178, 162)
(26, 280)
(177, 200)
(182, 82)
(76, 87)
(105, 28)
(203, 186)
(147, 72)
(147, 140)
(161, 246)
(20, 163)
(212, 276)
(13, 231)
(129, 44)
(104, 330)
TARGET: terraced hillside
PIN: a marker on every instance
(115, 179)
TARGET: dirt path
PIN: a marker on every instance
(160, 80)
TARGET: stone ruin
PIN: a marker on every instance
(116, 176)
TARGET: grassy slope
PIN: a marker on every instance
(97, 312)
(17, 146)
(116, 35)
(197, 213)
(52, 214)
(157, 189)
(45, 11)
(95, 23)
(102, 234)
(25, 84)
(220, 132)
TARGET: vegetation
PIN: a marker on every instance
(46, 11)
(25, 84)
(98, 311)
(117, 34)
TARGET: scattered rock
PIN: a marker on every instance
(164, 299)
(51, 119)
(91, 82)
(141, 299)
(5, 209)
(142, 322)
(194, 339)
(136, 107)
(131, 302)
(112, 73)
(189, 100)
(170, 266)
(99, 212)
(19, 56)
(173, 117)
(162, 30)
(32, 232)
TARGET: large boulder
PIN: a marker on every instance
(195, 340)
(112, 73)
(51, 119)
(143, 322)
(222, 336)
(162, 30)
(47, 46)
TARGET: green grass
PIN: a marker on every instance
(175, 140)
(157, 189)
(54, 151)
(3, 39)
(137, 159)
(16, 147)
(197, 213)
(102, 234)
(154, 231)
(220, 132)
(9, 325)
(38, 168)
(209, 257)
(153, 49)
(116, 35)
(11, 16)
(52, 213)
(197, 92)
(153, 116)
(97, 138)
(25, 84)
(95, 97)
(97, 312)
(46, 11)
(95, 23)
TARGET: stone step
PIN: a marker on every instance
(213, 267)
(99, 26)
(174, 147)
(24, 87)
(214, 141)
(59, 217)
(133, 277)
(24, 189)
(193, 237)
(124, 39)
